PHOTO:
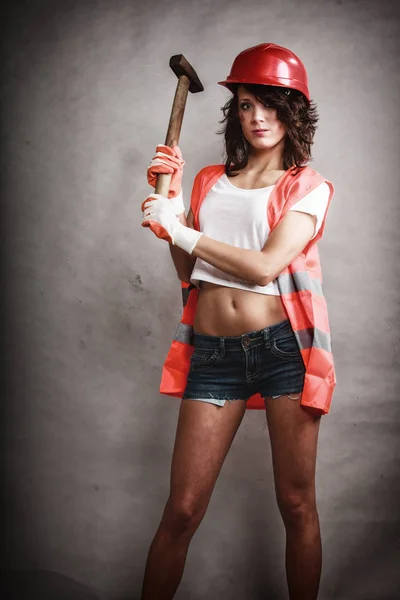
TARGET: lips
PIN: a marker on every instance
(260, 132)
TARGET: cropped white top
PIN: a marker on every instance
(239, 217)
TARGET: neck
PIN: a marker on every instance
(270, 159)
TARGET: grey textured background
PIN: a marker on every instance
(91, 300)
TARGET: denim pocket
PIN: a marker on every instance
(202, 358)
(285, 346)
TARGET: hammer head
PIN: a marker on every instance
(180, 66)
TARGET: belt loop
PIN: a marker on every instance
(222, 347)
(266, 337)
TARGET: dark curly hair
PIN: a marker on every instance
(296, 113)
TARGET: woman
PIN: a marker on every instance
(248, 244)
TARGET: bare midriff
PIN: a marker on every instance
(225, 311)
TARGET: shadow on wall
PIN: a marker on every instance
(43, 585)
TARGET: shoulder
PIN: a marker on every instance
(203, 182)
(305, 173)
(210, 171)
(304, 180)
(206, 177)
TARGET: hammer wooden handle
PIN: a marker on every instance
(177, 112)
(174, 129)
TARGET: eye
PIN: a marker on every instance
(244, 105)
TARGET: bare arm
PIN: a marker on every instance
(183, 261)
(286, 241)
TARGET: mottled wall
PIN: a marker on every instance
(91, 299)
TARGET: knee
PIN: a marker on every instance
(184, 515)
(297, 508)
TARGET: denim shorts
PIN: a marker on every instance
(267, 362)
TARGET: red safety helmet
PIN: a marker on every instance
(269, 64)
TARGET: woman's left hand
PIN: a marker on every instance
(159, 215)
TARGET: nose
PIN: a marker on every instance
(258, 114)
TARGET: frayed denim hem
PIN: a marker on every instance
(294, 396)
(217, 399)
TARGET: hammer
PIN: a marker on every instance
(188, 81)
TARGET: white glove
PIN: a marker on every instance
(177, 204)
(159, 215)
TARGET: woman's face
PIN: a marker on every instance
(260, 124)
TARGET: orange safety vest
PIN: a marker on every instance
(300, 288)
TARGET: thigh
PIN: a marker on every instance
(293, 431)
(204, 435)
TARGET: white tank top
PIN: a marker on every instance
(239, 217)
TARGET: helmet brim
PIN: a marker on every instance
(273, 81)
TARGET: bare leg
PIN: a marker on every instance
(294, 434)
(204, 435)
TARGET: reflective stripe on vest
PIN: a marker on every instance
(313, 338)
(184, 333)
(289, 283)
